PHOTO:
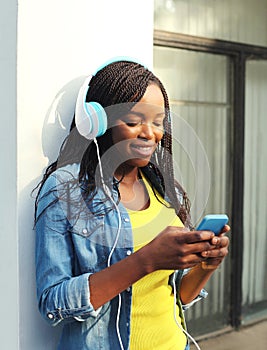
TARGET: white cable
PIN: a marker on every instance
(99, 162)
(175, 316)
(118, 231)
(117, 323)
(107, 191)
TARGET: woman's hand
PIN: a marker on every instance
(178, 248)
(198, 276)
(215, 256)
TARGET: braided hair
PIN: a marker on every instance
(117, 83)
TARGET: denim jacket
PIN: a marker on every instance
(74, 239)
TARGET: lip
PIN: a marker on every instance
(143, 150)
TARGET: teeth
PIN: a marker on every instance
(143, 148)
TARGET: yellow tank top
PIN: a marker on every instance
(153, 326)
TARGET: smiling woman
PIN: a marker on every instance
(113, 231)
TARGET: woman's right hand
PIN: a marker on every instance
(176, 248)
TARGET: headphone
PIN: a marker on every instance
(91, 117)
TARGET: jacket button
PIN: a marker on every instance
(128, 252)
(85, 230)
(126, 219)
(50, 316)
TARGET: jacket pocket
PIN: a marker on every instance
(88, 227)
(90, 244)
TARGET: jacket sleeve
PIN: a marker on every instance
(61, 295)
(176, 279)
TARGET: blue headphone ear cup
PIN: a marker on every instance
(98, 117)
(90, 117)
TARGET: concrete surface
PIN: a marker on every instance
(247, 338)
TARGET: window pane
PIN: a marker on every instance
(198, 87)
(239, 20)
(199, 77)
(255, 204)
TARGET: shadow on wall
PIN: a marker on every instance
(58, 119)
(35, 333)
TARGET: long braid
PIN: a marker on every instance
(166, 163)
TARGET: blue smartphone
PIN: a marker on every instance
(213, 222)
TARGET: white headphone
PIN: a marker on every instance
(90, 117)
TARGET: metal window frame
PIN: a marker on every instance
(238, 53)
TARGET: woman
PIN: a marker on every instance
(114, 243)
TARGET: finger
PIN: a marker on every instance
(215, 253)
(220, 241)
(198, 236)
(191, 260)
(195, 248)
(225, 229)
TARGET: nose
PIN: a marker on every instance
(147, 131)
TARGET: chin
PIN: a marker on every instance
(139, 163)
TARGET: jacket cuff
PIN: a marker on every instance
(79, 305)
(203, 294)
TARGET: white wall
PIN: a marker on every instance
(8, 189)
(58, 43)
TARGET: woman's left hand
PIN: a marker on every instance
(198, 276)
(215, 256)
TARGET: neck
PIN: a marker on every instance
(129, 176)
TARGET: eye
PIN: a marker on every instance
(132, 121)
(132, 124)
(158, 123)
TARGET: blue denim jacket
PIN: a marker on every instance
(73, 240)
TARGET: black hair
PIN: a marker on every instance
(117, 83)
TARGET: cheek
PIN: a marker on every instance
(159, 135)
(119, 133)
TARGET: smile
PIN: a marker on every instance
(143, 151)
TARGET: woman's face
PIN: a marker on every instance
(137, 134)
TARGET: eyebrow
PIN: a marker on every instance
(139, 114)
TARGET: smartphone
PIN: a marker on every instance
(213, 222)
